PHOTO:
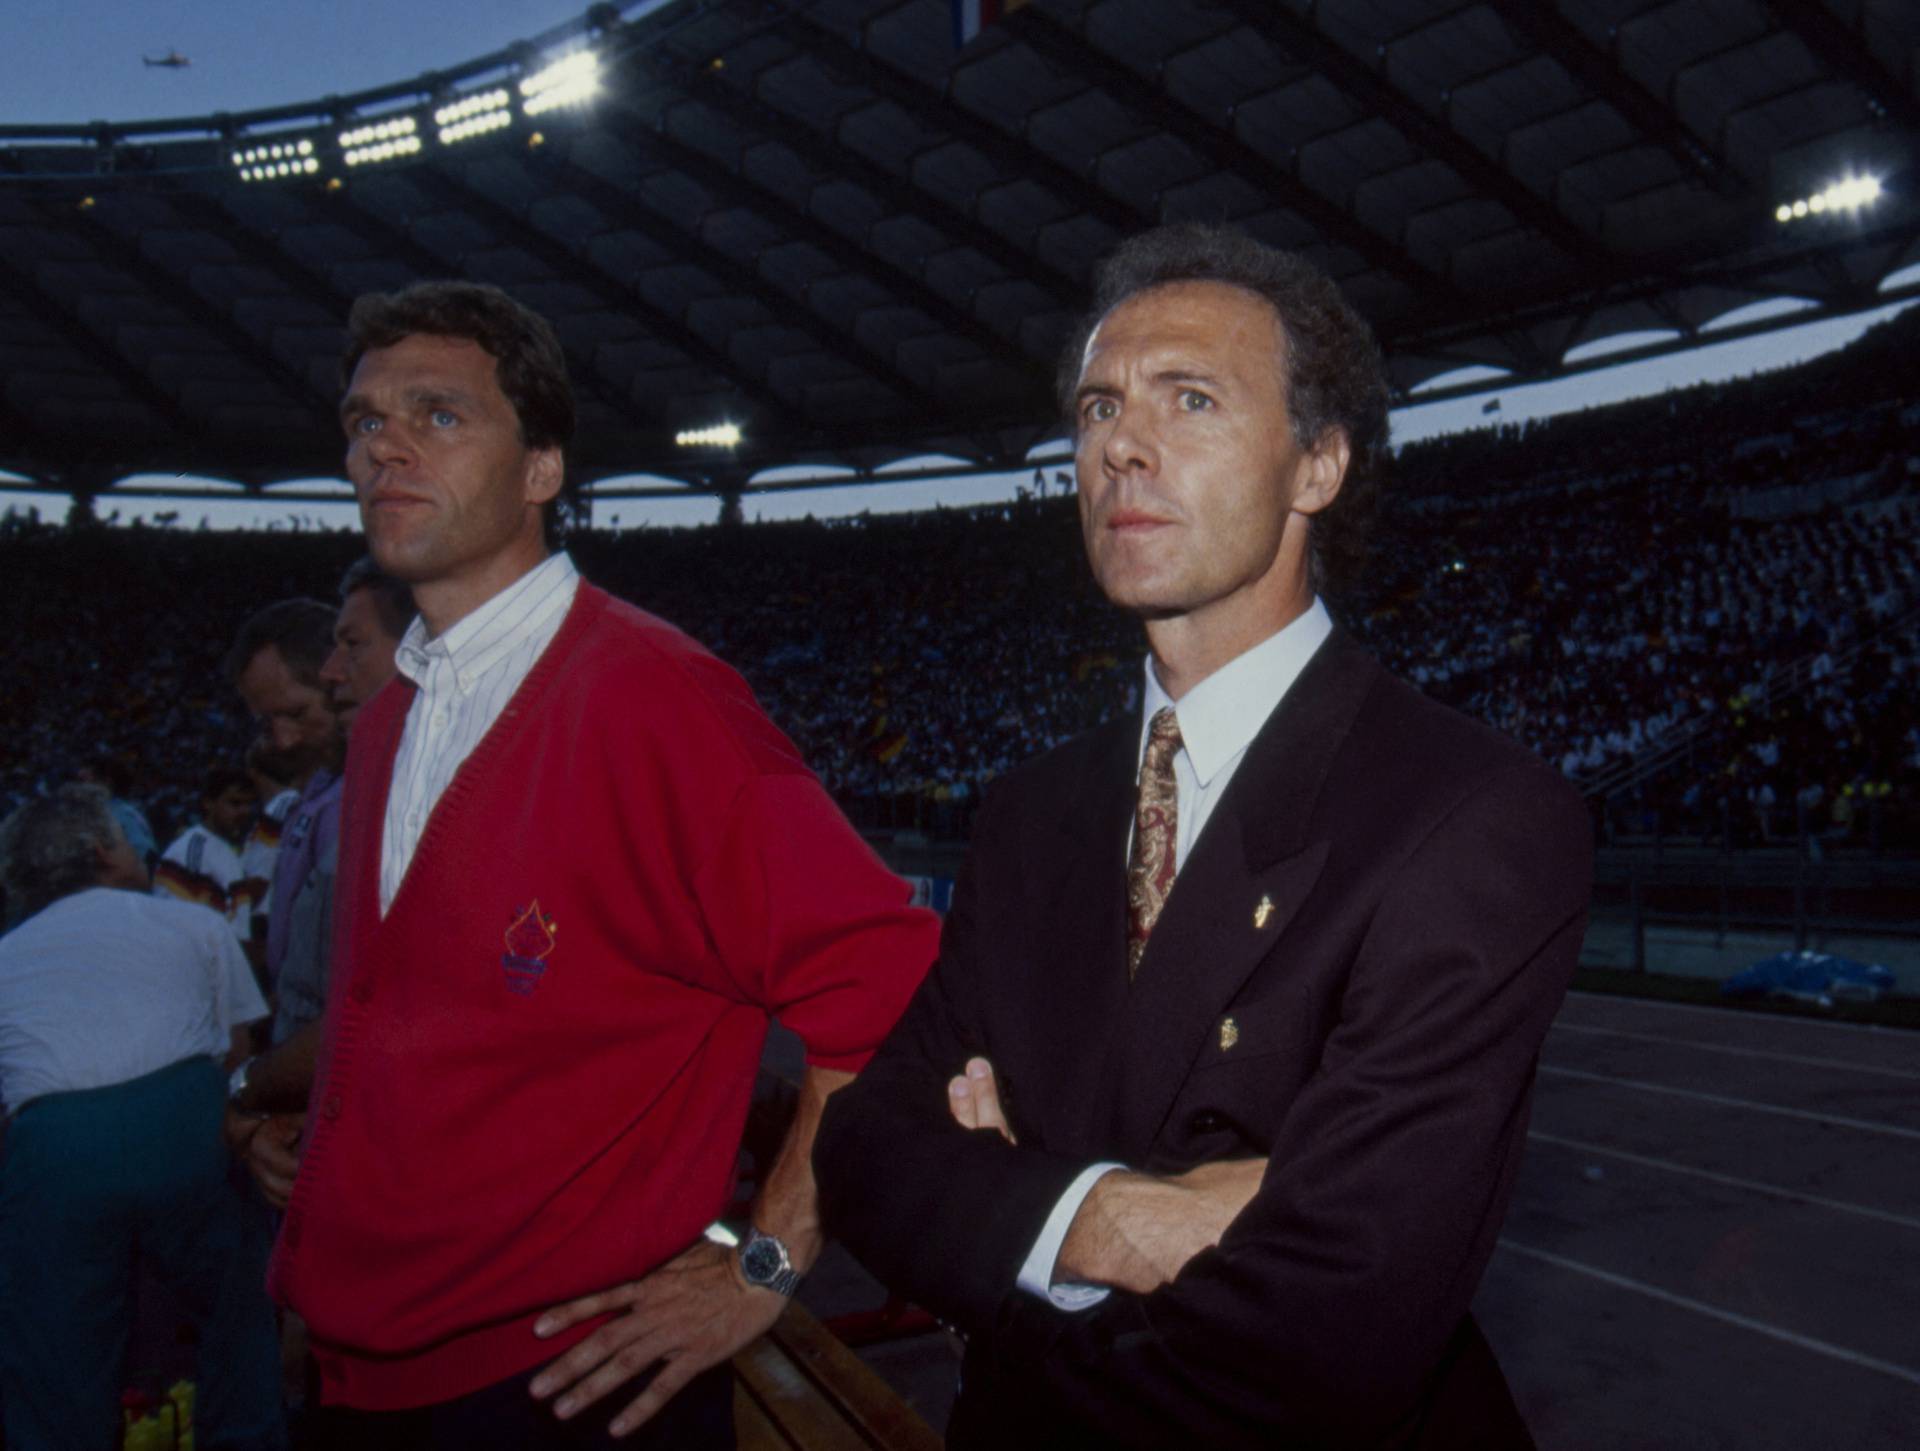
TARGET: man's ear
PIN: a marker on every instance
(110, 866)
(1320, 473)
(546, 472)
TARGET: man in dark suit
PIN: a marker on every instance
(1243, 993)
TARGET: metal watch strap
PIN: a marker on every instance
(785, 1280)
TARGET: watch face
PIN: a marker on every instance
(760, 1261)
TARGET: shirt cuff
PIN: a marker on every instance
(1036, 1275)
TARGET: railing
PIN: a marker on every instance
(1802, 890)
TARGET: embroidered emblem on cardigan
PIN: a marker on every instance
(529, 938)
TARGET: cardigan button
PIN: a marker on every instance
(331, 1108)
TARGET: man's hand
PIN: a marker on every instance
(692, 1312)
(1137, 1231)
(973, 1098)
(238, 1130)
(697, 1309)
(273, 1156)
(1133, 1231)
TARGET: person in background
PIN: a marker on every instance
(117, 1010)
(113, 773)
(375, 610)
(268, 1093)
(272, 775)
(275, 665)
(204, 863)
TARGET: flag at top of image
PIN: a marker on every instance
(970, 17)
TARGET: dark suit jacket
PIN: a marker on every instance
(1387, 903)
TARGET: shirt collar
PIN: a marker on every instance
(318, 784)
(491, 633)
(1221, 715)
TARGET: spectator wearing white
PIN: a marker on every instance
(204, 864)
(117, 1009)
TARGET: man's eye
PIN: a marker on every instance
(363, 425)
(1099, 410)
(444, 417)
(1195, 401)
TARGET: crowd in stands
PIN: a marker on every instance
(1726, 576)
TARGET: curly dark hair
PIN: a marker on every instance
(1333, 373)
(528, 361)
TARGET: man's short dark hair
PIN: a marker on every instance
(1334, 376)
(300, 629)
(528, 361)
(392, 598)
(50, 847)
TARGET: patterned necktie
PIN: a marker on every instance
(1156, 825)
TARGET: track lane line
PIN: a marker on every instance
(1714, 1312)
(1667, 1166)
(1876, 1029)
(1723, 1101)
(1771, 1057)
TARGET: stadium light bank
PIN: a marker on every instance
(719, 435)
(405, 134)
(1845, 197)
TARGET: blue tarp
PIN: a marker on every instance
(1811, 977)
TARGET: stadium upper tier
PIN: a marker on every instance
(834, 227)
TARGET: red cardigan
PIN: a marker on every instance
(537, 1065)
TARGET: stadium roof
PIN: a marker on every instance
(832, 225)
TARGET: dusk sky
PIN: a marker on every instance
(72, 61)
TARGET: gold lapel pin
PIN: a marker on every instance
(1229, 1033)
(1262, 912)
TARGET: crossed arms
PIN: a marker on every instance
(1321, 1303)
(1132, 1231)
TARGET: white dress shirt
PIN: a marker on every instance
(465, 679)
(108, 985)
(1218, 718)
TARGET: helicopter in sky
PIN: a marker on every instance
(172, 60)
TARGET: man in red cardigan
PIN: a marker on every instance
(579, 870)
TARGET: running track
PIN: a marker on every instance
(1715, 1241)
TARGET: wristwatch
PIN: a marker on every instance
(764, 1262)
(237, 1086)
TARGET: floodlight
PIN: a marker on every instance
(380, 141)
(276, 160)
(474, 115)
(569, 81)
(474, 126)
(718, 435)
(1848, 195)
